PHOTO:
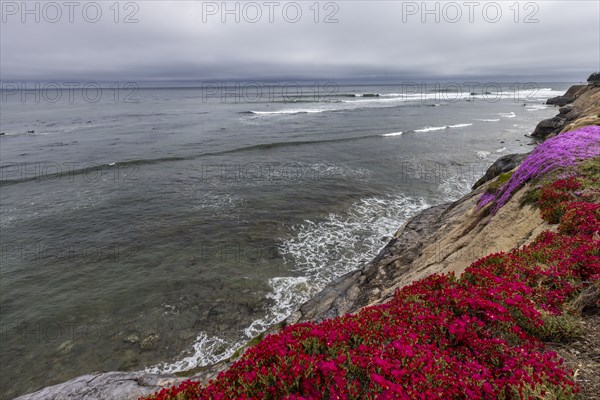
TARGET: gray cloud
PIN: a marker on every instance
(371, 40)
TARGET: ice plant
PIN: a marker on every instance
(479, 336)
(564, 150)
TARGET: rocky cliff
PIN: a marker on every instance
(443, 238)
(580, 106)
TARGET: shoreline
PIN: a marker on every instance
(431, 241)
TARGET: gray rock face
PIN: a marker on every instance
(565, 110)
(550, 126)
(118, 385)
(570, 96)
(107, 386)
(500, 166)
(560, 100)
(566, 114)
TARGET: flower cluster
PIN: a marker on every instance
(580, 217)
(564, 150)
(479, 336)
(555, 197)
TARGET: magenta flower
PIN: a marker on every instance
(564, 150)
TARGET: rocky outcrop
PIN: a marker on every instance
(583, 109)
(111, 385)
(118, 385)
(500, 166)
(549, 126)
(570, 96)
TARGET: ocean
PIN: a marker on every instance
(161, 228)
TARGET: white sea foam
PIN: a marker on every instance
(508, 115)
(377, 101)
(291, 111)
(488, 119)
(206, 350)
(392, 134)
(455, 185)
(501, 150)
(483, 154)
(431, 128)
(320, 252)
(213, 204)
(526, 94)
(536, 107)
(342, 105)
(367, 94)
(288, 292)
(459, 125)
(323, 171)
(438, 128)
(363, 100)
(326, 249)
(537, 93)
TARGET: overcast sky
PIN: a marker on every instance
(389, 40)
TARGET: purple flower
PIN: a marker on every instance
(564, 150)
(485, 199)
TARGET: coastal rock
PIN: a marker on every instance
(133, 338)
(586, 111)
(150, 341)
(66, 347)
(560, 101)
(500, 166)
(549, 126)
(583, 109)
(565, 110)
(570, 96)
(119, 385)
(107, 386)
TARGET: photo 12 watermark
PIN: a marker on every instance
(334, 92)
(232, 251)
(258, 92)
(68, 334)
(70, 171)
(252, 12)
(453, 12)
(69, 91)
(43, 252)
(452, 92)
(53, 12)
(438, 172)
(463, 253)
(269, 172)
